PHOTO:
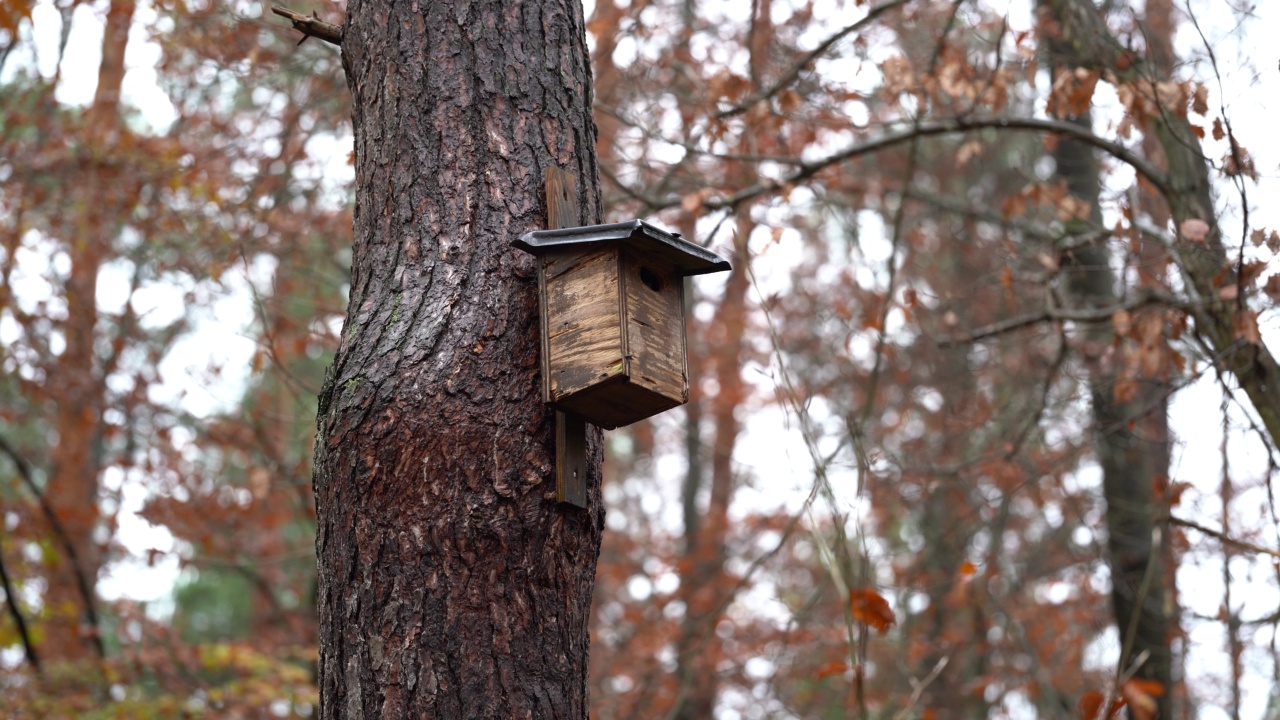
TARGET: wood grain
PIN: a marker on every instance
(583, 321)
(655, 327)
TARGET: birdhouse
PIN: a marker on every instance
(612, 311)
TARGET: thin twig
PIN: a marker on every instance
(311, 26)
(928, 129)
(1123, 678)
(1222, 537)
(1081, 315)
(919, 687)
(794, 74)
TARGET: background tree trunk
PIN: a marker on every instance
(100, 208)
(1130, 429)
(451, 584)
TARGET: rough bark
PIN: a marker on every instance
(1134, 459)
(451, 585)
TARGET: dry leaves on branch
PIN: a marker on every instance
(870, 608)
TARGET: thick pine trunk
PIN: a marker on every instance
(451, 584)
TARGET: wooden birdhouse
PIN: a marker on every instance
(612, 309)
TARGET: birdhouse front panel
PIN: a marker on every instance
(581, 323)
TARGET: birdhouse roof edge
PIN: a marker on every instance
(692, 259)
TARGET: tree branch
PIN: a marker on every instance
(1222, 537)
(1081, 315)
(310, 26)
(82, 582)
(14, 611)
(794, 74)
(927, 129)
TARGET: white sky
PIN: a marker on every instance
(771, 451)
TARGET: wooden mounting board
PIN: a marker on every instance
(571, 431)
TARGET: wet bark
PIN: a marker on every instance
(451, 585)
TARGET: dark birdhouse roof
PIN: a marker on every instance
(689, 258)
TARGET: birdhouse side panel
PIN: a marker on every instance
(654, 299)
(583, 317)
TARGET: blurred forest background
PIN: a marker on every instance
(983, 421)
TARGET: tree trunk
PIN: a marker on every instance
(451, 584)
(1217, 319)
(698, 650)
(1130, 433)
(78, 387)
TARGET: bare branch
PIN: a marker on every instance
(1222, 537)
(1082, 315)
(927, 129)
(918, 688)
(310, 26)
(794, 74)
(82, 582)
(11, 599)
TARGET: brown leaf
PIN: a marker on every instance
(835, 667)
(870, 608)
(1091, 704)
(1218, 132)
(1251, 271)
(13, 12)
(788, 101)
(1246, 326)
(1200, 100)
(1141, 696)
(1239, 162)
(1125, 128)
(1174, 492)
(1272, 288)
(1194, 229)
(1122, 321)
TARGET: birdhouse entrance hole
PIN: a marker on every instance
(650, 279)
